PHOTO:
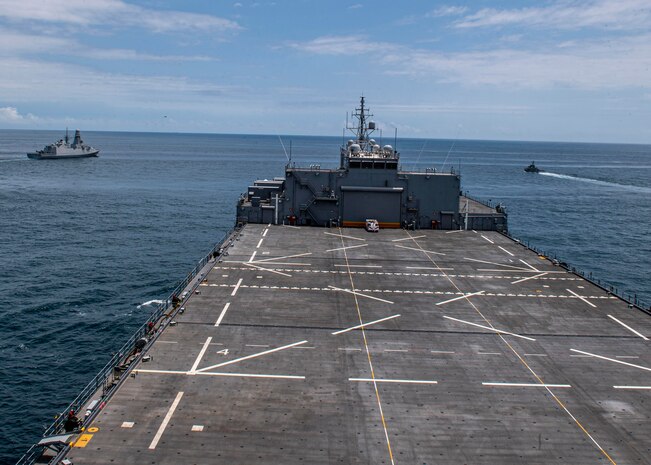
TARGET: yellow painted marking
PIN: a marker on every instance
(83, 440)
(93, 429)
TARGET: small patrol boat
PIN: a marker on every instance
(532, 168)
(64, 149)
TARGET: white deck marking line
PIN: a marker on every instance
(362, 266)
(500, 247)
(348, 348)
(523, 270)
(583, 299)
(534, 269)
(628, 327)
(528, 278)
(442, 352)
(167, 342)
(256, 345)
(267, 269)
(519, 268)
(538, 378)
(237, 286)
(193, 370)
(290, 226)
(364, 325)
(487, 239)
(221, 315)
(396, 350)
(495, 330)
(360, 294)
(406, 381)
(489, 353)
(264, 234)
(259, 243)
(535, 355)
(348, 247)
(626, 356)
(274, 263)
(427, 268)
(460, 297)
(253, 256)
(538, 385)
(418, 250)
(455, 231)
(611, 360)
(215, 373)
(407, 238)
(347, 237)
(633, 387)
(251, 375)
(259, 354)
(280, 258)
(368, 357)
(166, 420)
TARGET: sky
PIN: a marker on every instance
(559, 70)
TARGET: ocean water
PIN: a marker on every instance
(85, 243)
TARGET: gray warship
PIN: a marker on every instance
(64, 149)
(303, 338)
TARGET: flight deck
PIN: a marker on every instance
(308, 345)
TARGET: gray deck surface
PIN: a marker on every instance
(573, 384)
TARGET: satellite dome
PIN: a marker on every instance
(355, 148)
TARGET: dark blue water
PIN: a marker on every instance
(84, 242)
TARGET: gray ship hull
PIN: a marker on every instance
(40, 156)
(321, 346)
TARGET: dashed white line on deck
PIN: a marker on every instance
(528, 278)
(347, 237)
(360, 294)
(633, 387)
(259, 243)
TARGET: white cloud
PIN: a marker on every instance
(606, 14)
(447, 11)
(615, 63)
(356, 6)
(11, 115)
(341, 45)
(17, 44)
(116, 12)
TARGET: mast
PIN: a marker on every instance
(361, 130)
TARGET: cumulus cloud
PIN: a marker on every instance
(115, 12)
(606, 14)
(11, 115)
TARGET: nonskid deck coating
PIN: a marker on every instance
(535, 365)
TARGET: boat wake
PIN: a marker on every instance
(150, 302)
(598, 182)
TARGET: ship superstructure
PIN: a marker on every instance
(369, 183)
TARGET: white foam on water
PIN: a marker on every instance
(150, 302)
(598, 182)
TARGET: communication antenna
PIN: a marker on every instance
(449, 151)
(284, 150)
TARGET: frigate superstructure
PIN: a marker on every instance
(64, 149)
(412, 345)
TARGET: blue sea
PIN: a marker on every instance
(85, 243)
